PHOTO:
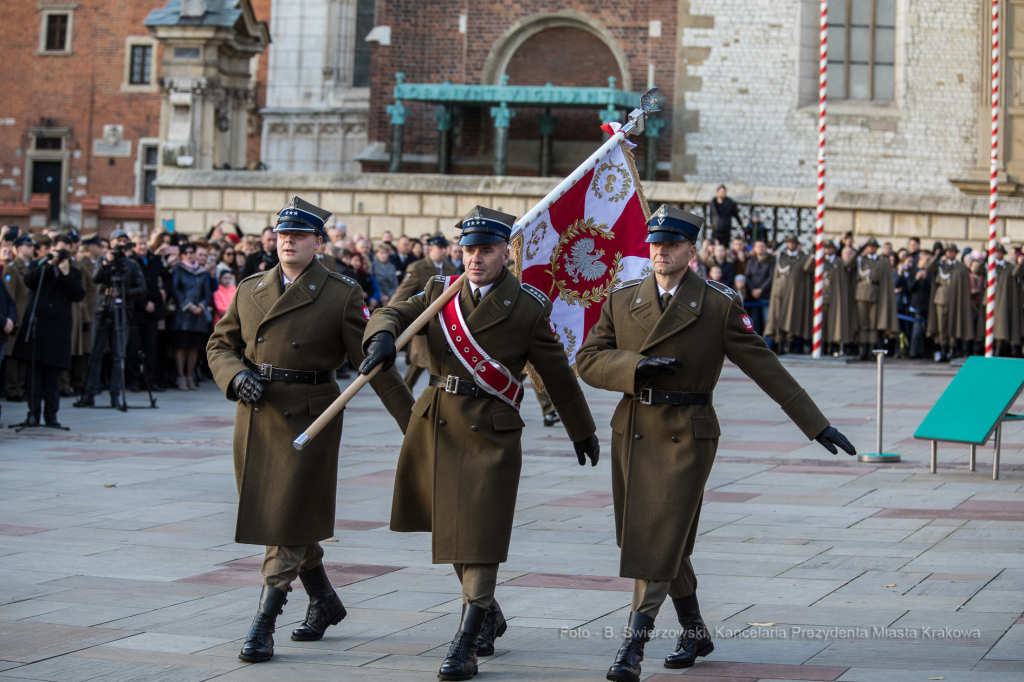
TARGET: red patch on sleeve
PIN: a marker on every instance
(366, 313)
(748, 323)
(551, 326)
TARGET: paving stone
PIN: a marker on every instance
(29, 642)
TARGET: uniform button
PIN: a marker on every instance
(255, 409)
(287, 415)
(674, 439)
(474, 427)
(442, 423)
(295, 344)
(637, 437)
(448, 350)
(259, 340)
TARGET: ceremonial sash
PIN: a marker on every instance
(488, 374)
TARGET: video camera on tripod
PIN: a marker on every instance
(116, 271)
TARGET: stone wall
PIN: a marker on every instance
(414, 204)
(756, 99)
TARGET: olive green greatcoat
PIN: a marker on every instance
(416, 277)
(83, 311)
(951, 287)
(839, 318)
(662, 454)
(790, 312)
(14, 280)
(286, 497)
(1007, 320)
(874, 286)
(458, 473)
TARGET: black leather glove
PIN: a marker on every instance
(830, 438)
(381, 349)
(648, 368)
(588, 447)
(247, 386)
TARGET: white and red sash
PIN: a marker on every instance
(488, 374)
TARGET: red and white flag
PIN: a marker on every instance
(587, 242)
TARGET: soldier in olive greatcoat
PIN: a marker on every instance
(275, 352)
(416, 277)
(458, 472)
(662, 342)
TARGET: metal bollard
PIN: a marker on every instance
(878, 456)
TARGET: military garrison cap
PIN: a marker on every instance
(485, 226)
(671, 224)
(302, 216)
(828, 243)
(872, 242)
(25, 239)
(952, 247)
(1000, 248)
(437, 240)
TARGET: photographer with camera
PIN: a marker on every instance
(119, 282)
(265, 258)
(149, 311)
(44, 340)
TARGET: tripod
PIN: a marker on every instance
(30, 338)
(121, 337)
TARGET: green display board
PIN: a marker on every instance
(973, 404)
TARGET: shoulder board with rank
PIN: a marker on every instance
(258, 274)
(536, 293)
(439, 278)
(723, 289)
(344, 278)
(627, 284)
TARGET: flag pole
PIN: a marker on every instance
(634, 126)
(993, 203)
(819, 227)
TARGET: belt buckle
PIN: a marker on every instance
(451, 384)
(265, 370)
(647, 396)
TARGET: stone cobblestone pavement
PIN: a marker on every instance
(116, 559)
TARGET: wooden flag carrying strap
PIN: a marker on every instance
(488, 374)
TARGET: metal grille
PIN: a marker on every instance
(778, 220)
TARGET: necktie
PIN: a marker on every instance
(476, 297)
(665, 298)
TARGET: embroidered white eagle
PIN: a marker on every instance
(584, 262)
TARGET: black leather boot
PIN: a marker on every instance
(460, 663)
(259, 643)
(626, 667)
(325, 608)
(694, 640)
(494, 626)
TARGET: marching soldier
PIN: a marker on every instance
(416, 278)
(662, 341)
(275, 351)
(838, 325)
(459, 468)
(789, 309)
(950, 323)
(876, 297)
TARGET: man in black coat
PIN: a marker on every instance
(119, 282)
(723, 211)
(265, 258)
(45, 337)
(148, 311)
(404, 258)
(759, 283)
(8, 316)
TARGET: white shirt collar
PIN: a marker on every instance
(670, 292)
(793, 254)
(484, 290)
(285, 278)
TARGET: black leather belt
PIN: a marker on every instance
(458, 386)
(268, 372)
(649, 396)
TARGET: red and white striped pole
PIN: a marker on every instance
(819, 227)
(990, 308)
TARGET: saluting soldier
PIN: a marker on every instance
(876, 297)
(838, 321)
(416, 277)
(662, 341)
(950, 323)
(275, 351)
(790, 314)
(458, 471)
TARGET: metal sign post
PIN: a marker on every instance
(878, 456)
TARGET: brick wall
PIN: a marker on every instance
(427, 47)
